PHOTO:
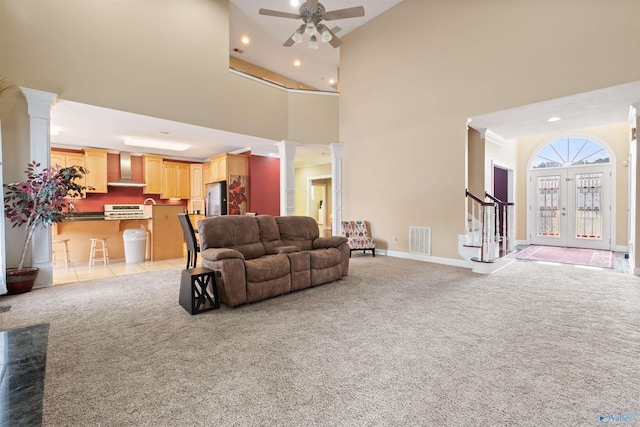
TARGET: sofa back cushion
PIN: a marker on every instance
(269, 233)
(298, 231)
(231, 231)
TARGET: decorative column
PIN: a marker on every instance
(336, 180)
(39, 107)
(634, 190)
(287, 151)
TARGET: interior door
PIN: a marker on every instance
(571, 207)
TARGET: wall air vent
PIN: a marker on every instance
(420, 240)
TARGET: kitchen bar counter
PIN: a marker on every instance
(79, 231)
(164, 234)
(92, 216)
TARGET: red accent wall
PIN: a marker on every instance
(264, 185)
(94, 202)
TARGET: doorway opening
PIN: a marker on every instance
(319, 203)
(571, 194)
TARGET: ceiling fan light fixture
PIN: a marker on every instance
(313, 43)
(326, 36)
(310, 29)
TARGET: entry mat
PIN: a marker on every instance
(589, 257)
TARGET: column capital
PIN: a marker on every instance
(286, 148)
(39, 102)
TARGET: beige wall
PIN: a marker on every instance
(411, 77)
(616, 137)
(476, 163)
(314, 119)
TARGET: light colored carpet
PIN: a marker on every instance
(578, 256)
(397, 342)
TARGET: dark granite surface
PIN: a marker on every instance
(23, 356)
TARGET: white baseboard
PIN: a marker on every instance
(425, 258)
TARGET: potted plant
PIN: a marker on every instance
(36, 202)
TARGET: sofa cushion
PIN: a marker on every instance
(324, 258)
(269, 233)
(267, 267)
(298, 231)
(231, 231)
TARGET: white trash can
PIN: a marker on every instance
(135, 242)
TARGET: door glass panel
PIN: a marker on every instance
(588, 212)
(548, 209)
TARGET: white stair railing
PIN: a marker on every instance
(490, 226)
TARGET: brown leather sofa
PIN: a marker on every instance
(263, 256)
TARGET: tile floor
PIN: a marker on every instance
(79, 272)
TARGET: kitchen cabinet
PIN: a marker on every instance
(224, 165)
(234, 169)
(196, 198)
(176, 180)
(65, 159)
(219, 168)
(165, 232)
(152, 170)
(95, 161)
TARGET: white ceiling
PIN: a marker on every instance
(84, 125)
(585, 110)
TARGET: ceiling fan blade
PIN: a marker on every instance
(335, 41)
(350, 12)
(289, 42)
(269, 12)
(312, 4)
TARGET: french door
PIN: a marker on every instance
(571, 207)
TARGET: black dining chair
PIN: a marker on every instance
(190, 238)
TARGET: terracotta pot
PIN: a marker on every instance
(21, 281)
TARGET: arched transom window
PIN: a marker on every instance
(572, 151)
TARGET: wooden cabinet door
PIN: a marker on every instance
(237, 165)
(169, 180)
(66, 159)
(197, 184)
(58, 158)
(219, 168)
(96, 164)
(206, 173)
(183, 174)
(152, 169)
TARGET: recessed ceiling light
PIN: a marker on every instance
(332, 82)
(295, 3)
(554, 119)
(161, 145)
(245, 40)
(297, 63)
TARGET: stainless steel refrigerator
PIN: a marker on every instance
(216, 198)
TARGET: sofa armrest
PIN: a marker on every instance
(286, 249)
(328, 242)
(217, 254)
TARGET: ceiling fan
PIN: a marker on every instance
(313, 13)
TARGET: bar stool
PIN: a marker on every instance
(67, 257)
(102, 249)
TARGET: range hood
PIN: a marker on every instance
(125, 173)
